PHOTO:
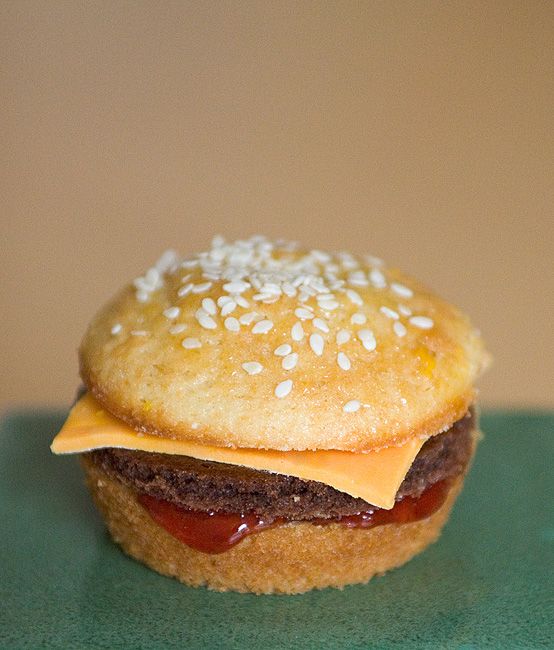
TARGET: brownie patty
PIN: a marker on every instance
(205, 485)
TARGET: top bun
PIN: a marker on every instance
(262, 344)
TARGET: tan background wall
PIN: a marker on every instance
(419, 131)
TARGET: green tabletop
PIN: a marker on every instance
(488, 582)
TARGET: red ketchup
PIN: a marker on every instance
(216, 532)
(209, 532)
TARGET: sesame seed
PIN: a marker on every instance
(352, 406)
(205, 320)
(399, 329)
(320, 324)
(405, 311)
(288, 289)
(171, 312)
(331, 269)
(191, 343)
(349, 263)
(139, 333)
(354, 297)
(283, 350)
(142, 296)
(116, 328)
(320, 256)
(328, 305)
(358, 319)
(303, 313)
(343, 336)
(168, 262)
(185, 290)
(317, 344)
(308, 290)
(272, 271)
(343, 361)
(248, 318)
(232, 324)
(152, 277)
(290, 361)
(241, 301)
(358, 279)
(236, 287)
(262, 327)
(252, 367)
(389, 313)
(377, 279)
(283, 389)
(228, 308)
(297, 332)
(368, 339)
(272, 287)
(200, 288)
(422, 322)
(401, 290)
(209, 306)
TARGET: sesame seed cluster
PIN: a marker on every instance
(314, 289)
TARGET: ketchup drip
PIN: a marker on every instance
(404, 511)
(209, 532)
(216, 532)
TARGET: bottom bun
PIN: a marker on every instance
(288, 559)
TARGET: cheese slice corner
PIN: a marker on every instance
(373, 476)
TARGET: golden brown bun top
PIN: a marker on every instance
(261, 344)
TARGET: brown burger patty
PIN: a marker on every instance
(205, 485)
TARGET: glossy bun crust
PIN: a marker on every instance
(289, 559)
(165, 354)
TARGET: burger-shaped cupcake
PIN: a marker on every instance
(262, 417)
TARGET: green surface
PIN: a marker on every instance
(488, 582)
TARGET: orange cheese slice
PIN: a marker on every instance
(373, 476)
